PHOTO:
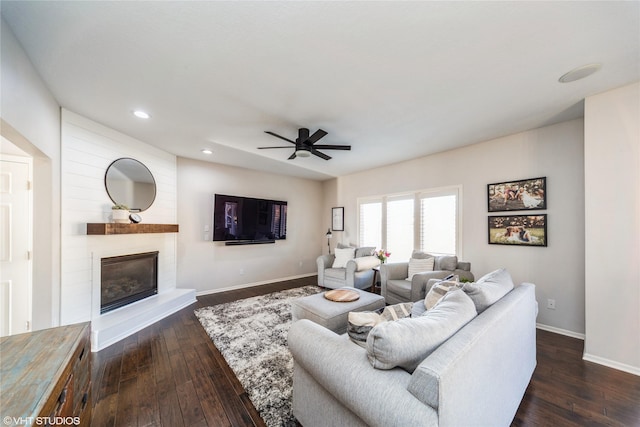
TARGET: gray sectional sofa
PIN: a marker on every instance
(477, 376)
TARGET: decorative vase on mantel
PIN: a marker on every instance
(120, 214)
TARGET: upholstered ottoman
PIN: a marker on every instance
(330, 314)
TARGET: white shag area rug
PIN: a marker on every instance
(251, 334)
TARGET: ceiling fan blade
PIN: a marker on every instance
(266, 148)
(315, 137)
(319, 154)
(291, 157)
(278, 136)
(332, 147)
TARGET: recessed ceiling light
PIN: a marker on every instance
(580, 73)
(206, 151)
(141, 114)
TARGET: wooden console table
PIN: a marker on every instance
(46, 376)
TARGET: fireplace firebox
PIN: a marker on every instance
(127, 279)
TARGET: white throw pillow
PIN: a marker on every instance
(342, 256)
(420, 266)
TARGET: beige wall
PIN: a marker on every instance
(612, 183)
(208, 266)
(31, 121)
(555, 152)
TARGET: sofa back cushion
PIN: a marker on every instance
(441, 262)
(407, 342)
(365, 251)
(446, 262)
(489, 288)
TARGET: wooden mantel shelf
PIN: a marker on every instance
(112, 228)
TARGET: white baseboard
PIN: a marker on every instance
(560, 331)
(249, 285)
(589, 357)
(611, 364)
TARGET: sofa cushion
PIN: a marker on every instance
(409, 341)
(342, 256)
(360, 323)
(400, 287)
(420, 265)
(489, 288)
(439, 290)
(446, 262)
(336, 273)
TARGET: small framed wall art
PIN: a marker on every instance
(527, 194)
(518, 230)
(337, 219)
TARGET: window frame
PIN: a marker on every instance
(455, 190)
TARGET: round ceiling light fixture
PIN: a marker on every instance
(580, 73)
(303, 153)
(206, 151)
(141, 114)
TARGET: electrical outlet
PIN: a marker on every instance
(300, 264)
(551, 304)
(241, 271)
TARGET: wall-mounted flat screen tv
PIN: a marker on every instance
(246, 219)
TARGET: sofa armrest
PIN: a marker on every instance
(419, 283)
(395, 270)
(497, 348)
(466, 266)
(362, 263)
(323, 262)
(392, 271)
(378, 397)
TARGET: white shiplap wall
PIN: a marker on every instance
(88, 149)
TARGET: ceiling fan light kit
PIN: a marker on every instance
(305, 144)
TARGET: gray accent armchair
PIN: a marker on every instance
(396, 289)
(358, 272)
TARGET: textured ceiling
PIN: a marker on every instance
(396, 80)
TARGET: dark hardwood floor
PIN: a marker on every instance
(170, 374)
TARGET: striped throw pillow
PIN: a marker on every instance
(439, 290)
(420, 266)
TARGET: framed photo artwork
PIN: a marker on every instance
(518, 230)
(527, 194)
(337, 219)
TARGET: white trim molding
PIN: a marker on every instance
(560, 331)
(249, 285)
(611, 364)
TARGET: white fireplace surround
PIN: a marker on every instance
(111, 327)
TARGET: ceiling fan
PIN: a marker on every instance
(305, 145)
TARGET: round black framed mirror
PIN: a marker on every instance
(129, 182)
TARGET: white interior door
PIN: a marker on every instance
(15, 245)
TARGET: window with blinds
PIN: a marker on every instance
(370, 225)
(400, 226)
(438, 224)
(428, 220)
